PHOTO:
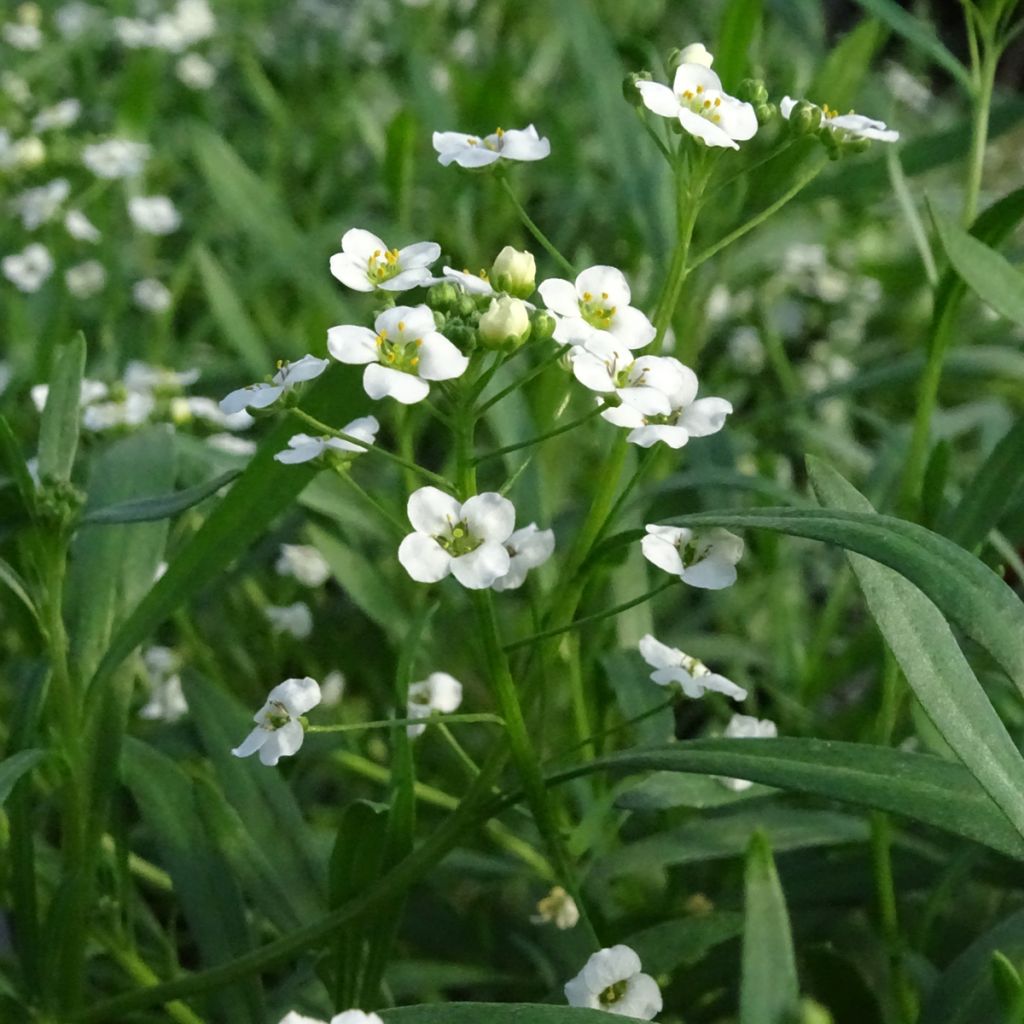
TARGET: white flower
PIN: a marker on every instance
(699, 103)
(348, 1017)
(557, 908)
(675, 669)
(294, 619)
(680, 416)
(15, 88)
(332, 689)
(259, 396)
(37, 206)
(141, 376)
(304, 563)
(151, 295)
(696, 53)
(474, 151)
(611, 980)
(195, 72)
(702, 558)
(22, 35)
(506, 320)
(29, 269)
(133, 32)
(515, 272)
(60, 115)
(85, 279)
(464, 539)
(439, 692)
(166, 699)
(598, 301)
(115, 158)
(91, 391)
(404, 353)
(135, 410)
(528, 549)
(472, 284)
(303, 447)
(155, 215)
(74, 19)
(855, 125)
(365, 263)
(231, 444)
(746, 727)
(187, 407)
(79, 226)
(605, 365)
(278, 731)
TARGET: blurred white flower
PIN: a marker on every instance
(557, 908)
(79, 227)
(135, 33)
(746, 350)
(699, 103)
(365, 263)
(85, 279)
(348, 1017)
(907, 88)
(612, 980)
(701, 558)
(188, 23)
(278, 732)
(166, 699)
(746, 727)
(304, 563)
(155, 215)
(27, 153)
(439, 692)
(140, 376)
(187, 407)
(304, 447)
(133, 411)
(60, 115)
(37, 206)
(464, 539)
(259, 396)
(76, 18)
(674, 669)
(597, 301)
(854, 125)
(29, 269)
(528, 548)
(231, 444)
(15, 88)
(401, 356)
(115, 158)
(332, 689)
(22, 35)
(294, 619)
(474, 151)
(151, 295)
(195, 71)
(91, 391)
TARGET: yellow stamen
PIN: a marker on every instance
(700, 89)
(587, 296)
(401, 325)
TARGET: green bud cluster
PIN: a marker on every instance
(629, 90)
(59, 503)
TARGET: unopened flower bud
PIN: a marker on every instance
(506, 322)
(805, 118)
(442, 296)
(753, 90)
(180, 410)
(629, 89)
(765, 112)
(439, 319)
(514, 272)
(542, 326)
(557, 908)
(695, 53)
(464, 338)
(465, 306)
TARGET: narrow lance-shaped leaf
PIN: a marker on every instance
(164, 506)
(58, 432)
(14, 767)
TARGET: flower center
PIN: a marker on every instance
(460, 541)
(698, 101)
(276, 717)
(382, 266)
(695, 667)
(613, 993)
(399, 354)
(692, 551)
(498, 140)
(596, 310)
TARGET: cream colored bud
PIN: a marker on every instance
(696, 53)
(29, 152)
(506, 321)
(557, 908)
(514, 272)
(180, 410)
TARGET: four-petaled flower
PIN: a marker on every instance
(259, 396)
(464, 539)
(856, 125)
(365, 263)
(699, 103)
(477, 151)
(401, 355)
(528, 548)
(598, 301)
(278, 732)
(674, 669)
(702, 558)
(439, 692)
(304, 447)
(605, 365)
(612, 980)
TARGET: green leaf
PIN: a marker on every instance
(58, 431)
(12, 458)
(769, 989)
(923, 787)
(164, 506)
(933, 664)
(17, 586)
(664, 791)
(14, 767)
(494, 1013)
(989, 274)
(920, 35)
(684, 942)
(741, 22)
(839, 79)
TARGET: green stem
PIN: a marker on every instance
(525, 379)
(984, 69)
(564, 428)
(388, 723)
(467, 763)
(385, 513)
(547, 244)
(621, 727)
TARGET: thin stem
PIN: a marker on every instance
(323, 428)
(744, 171)
(390, 723)
(385, 513)
(525, 379)
(621, 727)
(645, 462)
(662, 148)
(467, 763)
(587, 619)
(564, 428)
(986, 76)
(548, 245)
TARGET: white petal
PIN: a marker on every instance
(786, 105)
(705, 130)
(517, 144)
(632, 327)
(433, 512)
(474, 284)
(659, 655)
(608, 966)
(659, 99)
(440, 359)
(738, 120)
(662, 553)
(642, 999)
(533, 547)
(710, 574)
(282, 742)
(482, 566)
(445, 692)
(302, 370)
(351, 272)
(578, 994)
(489, 516)
(648, 436)
(252, 742)
(419, 254)
(362, 245)
(623, 416)
(647, 400)
(591, 371)
(706, 416)
(605, 283)
(297, 695)
(351, 344)
(415, 277)
(418, 320)
(384, 382)
(423, 558)
(560, 296)
(691, 77)
(719, 684)
(365, 428)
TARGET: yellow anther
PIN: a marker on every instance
(401, 325)
(418, 342)
(604, 295)
(718, 101)
(415, 361)
(716, 118)
(390, 357)
(688, 95)
(472, 141)
(700, 89)
(587, 296)
(499, 132)
(376, 254)
(383, 335)
(707, 103)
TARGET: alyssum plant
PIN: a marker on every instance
(458, 344)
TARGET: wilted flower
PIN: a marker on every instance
(151, 295)
(746, 727)
(674, 669)
(79, 226)
(259, 396)
(304, 447)
(611, 980)
(401, 356)
(598, 301)
(528, 548)
(29, 269)
(294, 619)
(557, 908)
(439, 692)
(474, 151)
(155, 215)
(166, 699)
(37, 206)
(365, 263)
(464, 539)
(702, 558)
(278, 731)
(855, 125)
(85, 279)
(304, 563)
(115, 158)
